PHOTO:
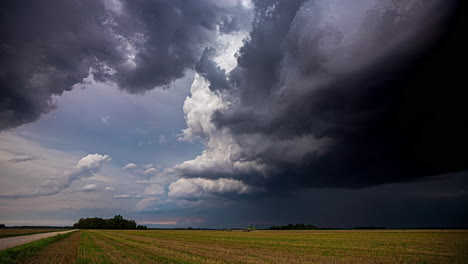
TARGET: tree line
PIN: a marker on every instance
(118, 222)
(293, 227)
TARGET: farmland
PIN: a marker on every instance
(194, 246)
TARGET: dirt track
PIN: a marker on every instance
(10, 242)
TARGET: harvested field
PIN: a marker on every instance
(10, 232)
(62, 251)
(195, 246)
(174, 246)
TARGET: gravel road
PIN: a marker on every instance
(10, 242)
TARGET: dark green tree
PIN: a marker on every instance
(293, 227)
(118, 222)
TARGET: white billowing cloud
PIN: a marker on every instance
(220, 145)
(149, 203)
(154, 190)
(162, 139)
(123, 196)
(230, 45)
(150, 171)
(89, 188)
(108, 188)
(152, 197)
(85, 168)
(114, 6)
(105, 119)
(234, 3)
(222, 149)
(91, 163)
(200, 187)
(199, 109)
(147, 166)
(142, 181)
(130, 166)
(226, 154)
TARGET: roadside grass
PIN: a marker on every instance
(7, 232)
(20, 253)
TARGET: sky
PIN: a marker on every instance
(225, 113)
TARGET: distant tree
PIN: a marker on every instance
(2, 226)
(299, 226)
(118, 222)
(293, 227)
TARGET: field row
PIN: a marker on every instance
(180, 246)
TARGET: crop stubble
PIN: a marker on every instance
(175, 246)
(195, 246)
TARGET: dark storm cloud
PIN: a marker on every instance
(207, 68)
(48, 46)
(382, 95)
(260, 59)
(44, 50)
(175, 33)
(326, 93)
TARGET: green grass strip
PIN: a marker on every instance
(19, 253)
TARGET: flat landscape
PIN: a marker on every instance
(194, 246)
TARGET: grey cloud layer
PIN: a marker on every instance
(47, 47)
